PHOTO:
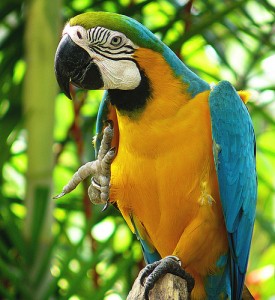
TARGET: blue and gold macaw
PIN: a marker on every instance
(179, 158)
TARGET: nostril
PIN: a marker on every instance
(79, 34)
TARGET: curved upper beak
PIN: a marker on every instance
(73, 64)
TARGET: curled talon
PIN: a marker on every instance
(147, 271)
(106, 205)
(59, 195)
(95, 184)
(153, 272)
(175, 258)
(109, 123)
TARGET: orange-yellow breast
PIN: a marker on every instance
(164, 173)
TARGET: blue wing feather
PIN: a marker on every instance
(150, 253)
(234, 154)
(102, 117)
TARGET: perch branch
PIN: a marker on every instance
(169, 287)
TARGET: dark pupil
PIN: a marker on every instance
(115, 40)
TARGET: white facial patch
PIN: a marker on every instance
(112, 52)
(119, 74)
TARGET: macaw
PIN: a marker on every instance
(175, 155)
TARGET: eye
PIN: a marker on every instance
(116, 40)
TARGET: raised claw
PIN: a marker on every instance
(82, 173)
(59, 195)
(106, 205)
(100, 170)
(109, 123)
(99, 189)
(95, 184)
(105, 146)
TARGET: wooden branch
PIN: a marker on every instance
(169, 287)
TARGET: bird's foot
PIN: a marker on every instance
(100, 170)
(169, 264)
(99, 189)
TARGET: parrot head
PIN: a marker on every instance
(97, 51)
(102, 50)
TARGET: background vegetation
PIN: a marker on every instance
(69, 249)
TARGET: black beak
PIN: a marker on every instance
(74, 65)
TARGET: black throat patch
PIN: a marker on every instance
(132, 102)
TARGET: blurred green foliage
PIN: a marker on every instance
(92, 254)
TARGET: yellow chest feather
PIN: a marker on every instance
(164, 171)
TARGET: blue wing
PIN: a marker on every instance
(234, 155)
(150, 253)
(102, 117)
(106, 113)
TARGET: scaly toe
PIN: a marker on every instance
(169, 264)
